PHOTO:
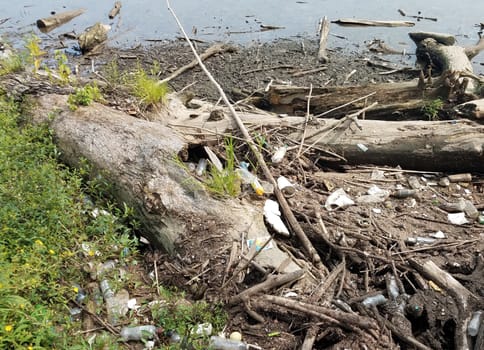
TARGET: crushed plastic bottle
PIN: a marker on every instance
(219, 343)
(116, 305)
(420, 240)
(374, 300)
(138, 333)
(474, 323)
(249, 178)
(201, 166)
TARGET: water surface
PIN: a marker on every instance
(141, 21)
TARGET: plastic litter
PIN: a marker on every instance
(201, 167)
(219, 343)
(116, 304)
(374, 300)
(138, 333)
(286, 187)
(279, 154)
(235, 336)
(460, 177)
(338, 200)
(249, 178)
(457, 218)
(273, 217)
(420, 240)
(203, 329)
(404, 193)
(474, 323)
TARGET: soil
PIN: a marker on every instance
(372, 240)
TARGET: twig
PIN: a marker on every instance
(306, 119)
(310, 71)
(248, 262)
(345, 105)
(212, 50)
(270, 283)
(282, 66)
(105, 324)
(291, 219)
(350, 118)
(156, 276)
(323, 39)
(344, 319)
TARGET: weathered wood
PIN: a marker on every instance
(474, 109)
(93, 37)
(404, 98)
(424, 145)
(47, 24)
(211, 51)
(138, 158)
(115, 10)
(460, 293)
(323, 40)
(372, 23)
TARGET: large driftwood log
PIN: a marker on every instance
(437, 146)
(139, 158)
(423, 145)
(403, 98)
(47, 24)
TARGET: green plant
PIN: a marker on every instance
(227, 181)
(432, 108)
(179, 315)
(43, 225)
(35, 52)
(11, 64)
(84, 96)
(63, 69)
(148, 89)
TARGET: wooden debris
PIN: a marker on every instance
(115, 10)
(265, 27)
(323, 40)
(372, 23)
(93, 37)
(472, 109)
(212, 50)
(45, 25)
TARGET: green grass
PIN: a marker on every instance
(227, 181)
(432, 108)
(43, 222)
(146, 88)
(84, 96)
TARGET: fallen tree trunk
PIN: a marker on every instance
(433, 146)
(456, 145)
(47, 24)
(139, 158)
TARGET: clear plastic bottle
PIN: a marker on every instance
(374, 300)
(114, 308)
(249, 178)
(201, 166)
(138, 333)
(474, 323)
(219, 343)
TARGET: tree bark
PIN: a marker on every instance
(140, 159)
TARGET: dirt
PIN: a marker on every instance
(371, 239)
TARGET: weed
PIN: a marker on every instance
(35, 52)
(227, 181)
(84, 96)
(11, 64)
(43, 224)
(62, 67)
(432, 108)
(182, 316)
(147, 88)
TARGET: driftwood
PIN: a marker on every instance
(473, 109)
(372, 23)
(403, 98)
(47, 24)
(211, 51)
(460, 294)
(138, 156)
(323, 40)
(93, 37)
(115, 10)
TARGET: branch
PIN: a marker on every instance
(307, 245)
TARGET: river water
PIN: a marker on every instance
(141, 21)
